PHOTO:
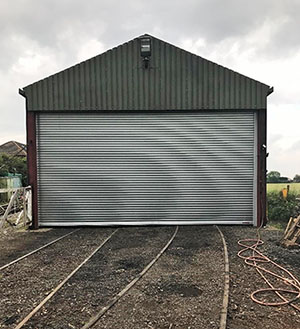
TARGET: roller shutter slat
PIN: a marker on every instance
(96, 169)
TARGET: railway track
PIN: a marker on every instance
(56, 289)
(39, 314)
(114, 300)
(37, 250)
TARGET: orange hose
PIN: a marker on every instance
(257, 257)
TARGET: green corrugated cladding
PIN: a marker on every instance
(117, 80)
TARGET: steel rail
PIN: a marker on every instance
(224, 310)
(56, 289)
(38, 249)
(115, 299)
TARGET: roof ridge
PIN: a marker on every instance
(131, 40)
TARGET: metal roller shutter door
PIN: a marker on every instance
(187, 168)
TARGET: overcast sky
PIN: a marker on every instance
(258, 38)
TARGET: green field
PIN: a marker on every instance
(274, 187)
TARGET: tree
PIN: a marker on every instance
(284, 180)
(296, 179)
(13, 165)
(273, 177)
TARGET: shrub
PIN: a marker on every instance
(13, 165)
(280, 209)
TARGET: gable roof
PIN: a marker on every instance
(117, 80)
(13, 148)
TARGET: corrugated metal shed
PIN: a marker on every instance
(175, 80)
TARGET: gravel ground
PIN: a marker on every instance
(243, 313)
(109, 270)
(183, 289)
(26, 283)
(15, 243)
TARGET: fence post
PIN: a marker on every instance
(25, 205)
(29, 204)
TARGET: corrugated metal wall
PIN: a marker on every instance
(175, 80)
(100, 169)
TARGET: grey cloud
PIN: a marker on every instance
(278, 161)
(112, 21)
(273, 138)
(62, 27)
(287, 40)
(296, 147)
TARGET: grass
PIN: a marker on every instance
(274, 187)
(278, 225)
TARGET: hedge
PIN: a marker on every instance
(280, 209)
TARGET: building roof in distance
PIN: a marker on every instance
(13, 148)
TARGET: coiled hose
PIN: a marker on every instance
(258, 260)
